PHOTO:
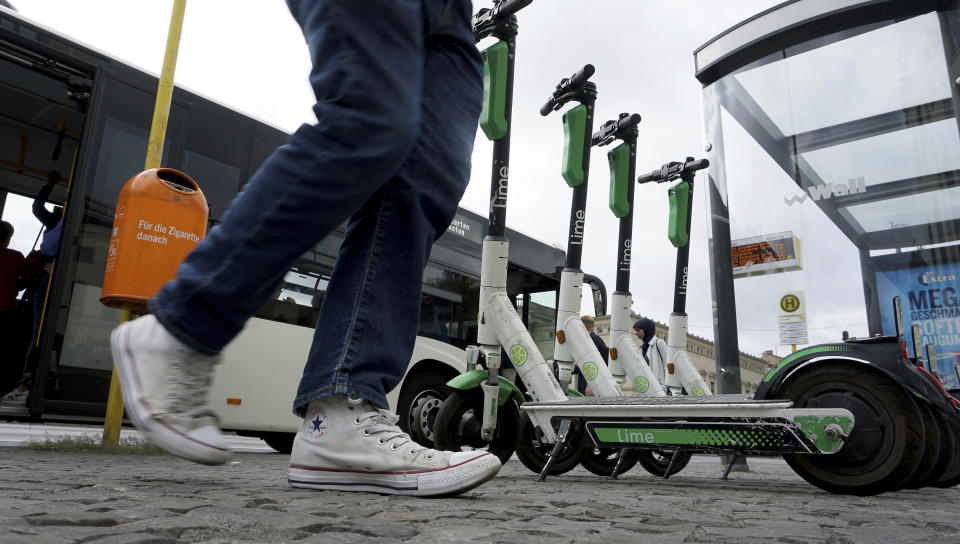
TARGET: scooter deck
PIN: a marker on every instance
(713, 423)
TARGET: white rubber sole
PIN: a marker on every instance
(427, 483)
(157, 432)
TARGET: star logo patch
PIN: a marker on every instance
(317, 426)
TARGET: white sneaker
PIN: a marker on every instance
(348, 444)
(165, 388)
(15, 398)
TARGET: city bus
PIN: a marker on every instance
(70, 109)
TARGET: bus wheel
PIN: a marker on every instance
(459, 420)
(656, 462)
(887, 440)
(602, 461)
(419, 403)
(533, 453)
(282, 442)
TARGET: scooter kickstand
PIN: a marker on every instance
(731, 459)
(616, 468)
(673, 458)
(562, 436)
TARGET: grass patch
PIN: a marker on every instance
(92, 444)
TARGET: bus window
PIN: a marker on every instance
(298, 297)
(541, 313)
(448, 306)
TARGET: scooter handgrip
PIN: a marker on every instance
(652, 176)
(697, 164)
(629, 121)
(509, 7)
(582, 76)
(548, 107)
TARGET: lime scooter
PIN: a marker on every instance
(572, 344)
(677, 372)
(483, 409)
(626, 360)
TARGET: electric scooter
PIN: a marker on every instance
(626, 360)
(679, 373)
(483, 409)
(572, 345)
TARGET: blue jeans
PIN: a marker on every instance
(399, 87)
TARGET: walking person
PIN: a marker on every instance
(11, 262)
(654, 348)
(398, 87)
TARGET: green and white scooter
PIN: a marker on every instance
(679, 375)
(626, 361)
(573, 346)
(483, 409)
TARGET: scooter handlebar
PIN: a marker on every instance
(672, 170)
(629, 121)
(610, 129)
(548, 107)
(566, 84)
(581, 76)
(509, 7)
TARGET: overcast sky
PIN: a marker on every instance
(249, 54)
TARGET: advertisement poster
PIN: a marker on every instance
(929, 297)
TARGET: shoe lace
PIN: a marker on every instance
(191, 373)
(376, 421)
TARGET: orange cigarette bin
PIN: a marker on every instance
(161, 215)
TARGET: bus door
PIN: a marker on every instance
(43, 107)
(75, 362)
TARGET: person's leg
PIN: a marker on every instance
(367, 77)
(368, 321)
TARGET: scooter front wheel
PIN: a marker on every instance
(534, 454)
(458, 423)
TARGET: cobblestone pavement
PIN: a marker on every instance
(111, 499)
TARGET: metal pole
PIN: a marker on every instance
(113, 419)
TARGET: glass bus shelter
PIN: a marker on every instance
(832, 132)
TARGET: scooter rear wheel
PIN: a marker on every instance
(931, 448)
(602, 461)
(885, 445)
(656, 462)
(458, 423)
(951, 476)
(534, 454)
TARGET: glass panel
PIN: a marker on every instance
(219, 181)
(907, 211)
(903, 154)
(542, 320)
(883, 70)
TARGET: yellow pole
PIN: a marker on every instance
(158, 129)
